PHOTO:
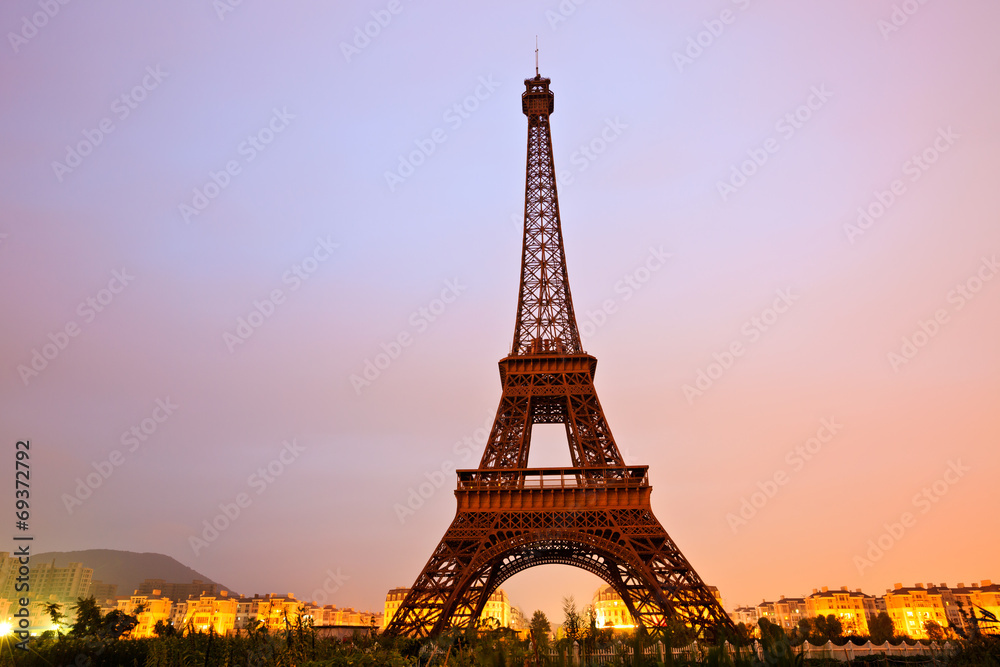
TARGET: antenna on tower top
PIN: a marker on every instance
(536, 55)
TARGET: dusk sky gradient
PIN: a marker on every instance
(673, 130)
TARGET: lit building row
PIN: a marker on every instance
(853, 608)
(910, 608)
(220, 613)
(497, 607)
(226, 615)
(197, 605)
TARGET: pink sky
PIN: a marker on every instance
(237, 162)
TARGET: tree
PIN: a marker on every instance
(593, 635)
(805, 627)
(573, 623)
(825, 628)
(117, 623)
(54, 610)
(540, 629)
(834, 627)
(88, 617)
(820, 632)
(774, 643)
(880, 628)
(934, 631)
(164, 629)
(769, 630)
(744, 632)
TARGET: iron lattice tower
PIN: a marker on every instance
(595, 515)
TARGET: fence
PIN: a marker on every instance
(622, 654)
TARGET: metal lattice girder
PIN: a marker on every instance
(545, 318)
(595, 515)
(549, 389)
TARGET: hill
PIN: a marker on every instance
(127, 569)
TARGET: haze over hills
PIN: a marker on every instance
(127, 569)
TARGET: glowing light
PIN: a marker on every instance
(5, 629)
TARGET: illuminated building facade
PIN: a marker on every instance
(278, 612)
(48, 582)
(911, 608)
(979, 597)
(62, 585)
(848, 606)
(745, 615)
(393, 599)
(330, 615)
(958, 602)
(210, 613)
(785, 612)
(610, 610)
(497, 607)
(103, 592)
(155, 607)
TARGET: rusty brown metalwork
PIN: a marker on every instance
(595, 514)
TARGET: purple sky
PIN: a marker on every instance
(655, 139)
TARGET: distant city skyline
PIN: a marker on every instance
(257, 280)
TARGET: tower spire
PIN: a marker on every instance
(546, 322)
(536, 56)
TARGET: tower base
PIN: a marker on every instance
(597, 519)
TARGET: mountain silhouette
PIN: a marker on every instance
(127, 569)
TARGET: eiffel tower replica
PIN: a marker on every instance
(595, 515)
